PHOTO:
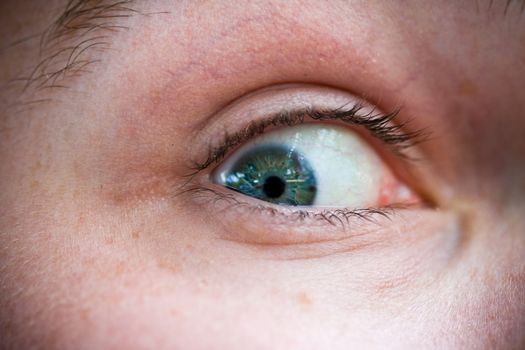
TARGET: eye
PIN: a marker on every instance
(294, 164)
(312, 164)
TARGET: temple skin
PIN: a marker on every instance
(98, 250)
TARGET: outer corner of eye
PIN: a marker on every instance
(313, 165)
(395, 193)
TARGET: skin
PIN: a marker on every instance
(99, 250)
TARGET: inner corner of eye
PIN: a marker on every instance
(313, 164)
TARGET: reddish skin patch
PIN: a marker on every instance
(388, 184)
(389, 194)
(84, 314)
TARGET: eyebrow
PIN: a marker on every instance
(68, 45)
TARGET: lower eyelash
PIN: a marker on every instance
(336, 217)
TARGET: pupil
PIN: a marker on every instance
(274, 187)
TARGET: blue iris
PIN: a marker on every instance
(273, 173)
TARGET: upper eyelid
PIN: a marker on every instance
(381, 126)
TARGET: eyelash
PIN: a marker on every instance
(333, 217)
(379, 125)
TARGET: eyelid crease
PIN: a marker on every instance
(379, 125)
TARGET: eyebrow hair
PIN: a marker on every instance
(66, 46)
(84, 27)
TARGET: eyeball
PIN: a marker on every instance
(313, 164)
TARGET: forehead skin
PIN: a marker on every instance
(96, 253)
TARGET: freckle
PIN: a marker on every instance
(90, 261)
(120, 268)
(467, 88)
(35, 184)
(84, 314)
(135, 234)
(384, 286)
(166, 265)
(129, 284)
(109, 240)
(37, 166)
(77, 169)
(304, 299)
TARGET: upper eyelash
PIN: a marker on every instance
(378, 124)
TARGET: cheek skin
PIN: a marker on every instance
(492, 310)
(190, 293)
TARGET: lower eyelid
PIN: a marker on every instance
(247, 221)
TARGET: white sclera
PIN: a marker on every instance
(348, 171)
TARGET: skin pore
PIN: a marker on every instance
(101, 246)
